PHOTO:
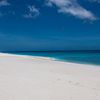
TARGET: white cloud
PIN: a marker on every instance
(4, 3)
(71, 7)
(33, 12)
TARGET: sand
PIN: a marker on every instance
(38, 78)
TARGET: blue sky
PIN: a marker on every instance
(49, 25)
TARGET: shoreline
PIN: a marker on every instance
(39, 78)
(50, 58)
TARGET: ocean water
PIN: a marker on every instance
(83, 57)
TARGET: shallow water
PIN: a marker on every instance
(85, 57)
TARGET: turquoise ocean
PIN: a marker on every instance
(83, 57)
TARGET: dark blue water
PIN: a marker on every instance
(85, 57)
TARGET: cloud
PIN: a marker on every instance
(4, 3)
(32, 12)
(71, 7)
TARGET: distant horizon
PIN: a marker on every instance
(53, 51)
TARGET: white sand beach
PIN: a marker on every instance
(37, 78)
